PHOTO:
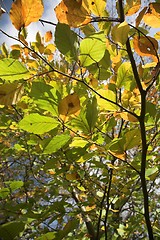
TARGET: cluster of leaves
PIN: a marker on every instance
(79, 123)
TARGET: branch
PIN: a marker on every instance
(70, 77)
(143, 131)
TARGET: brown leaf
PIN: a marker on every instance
(69, 105)
(72, 12)
(145, 46)
(10, 93)
(140, 16)
(24, 12)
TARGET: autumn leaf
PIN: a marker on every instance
(145, 46)
(97, 7)
(48, 36)
(23, 12)
(69, 105)
(72, 13)
(152, 17)
(140, 16)
(127, 117)
(120, 33)
(134, 8)
(10, 93)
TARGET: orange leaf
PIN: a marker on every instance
(48, 36)
(133, 10)
(72, 12)
(145, 46)
(118, 155)
(24, 12)
(69, 105)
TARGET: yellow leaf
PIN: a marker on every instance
(10, 93)
(24, 12)
(90, 208)
(104, 104)
(97, 7)
(152, 17)
(48, 36)
(72, 12)
(145, 46)
(128, 117)
(157, 35)
(120, 33)
(118, 155)
(69, 105)
(49, 49)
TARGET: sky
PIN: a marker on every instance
(33, 28)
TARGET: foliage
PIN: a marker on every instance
(79, 123)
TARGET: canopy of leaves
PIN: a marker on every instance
(79, 122)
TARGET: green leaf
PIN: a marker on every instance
(4, 192)
(104, 104)
(37, 124)
(92, 49)
(66, 41)
(11, 69)
(69, 227)
(117, 145)
(125, 76)
(47, 236)
(100, 70)
(56, 143)
(91, 112)
(11, 230)
(132, 139)
(14, 185)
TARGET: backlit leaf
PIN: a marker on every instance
(132, 139)
(69, 105)
(145, 46)
(70, 46)
(132, 7)
(152, 17)
(125, 76)
(56, 143)
(48, 36)
(24, 12)
(104, 104)
(10, 93)
(38, 124)
(128, 117)
(72, 12)
(97, 7)
(92, 49)
(11, 69)
(120, 33)
(91, 113)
